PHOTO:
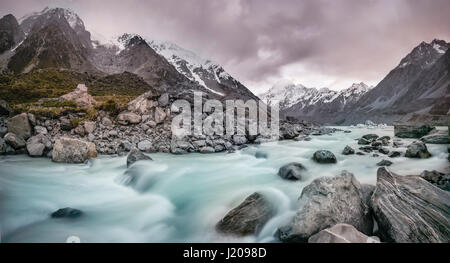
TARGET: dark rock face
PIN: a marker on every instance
(408, 209)
(417, 150)
(394, 154)
(411, 130)
(341, 233)
(363, 141)
(438, 179)
(67, 213)
(325, 202)
(348, 150)
(324, 156)
(247, 218)
(370, 136)
(136, 155)
(367, 191)
(292, 171)
(384, 163)
(10, 33)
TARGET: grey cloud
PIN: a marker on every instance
(254, 39)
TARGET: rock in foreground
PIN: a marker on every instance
(417, 150)
(408, 209)
(326, 202)
(247, 218)
(341, 233)
(324, 156)
(136, 155)
(68, 150)
(292, 171)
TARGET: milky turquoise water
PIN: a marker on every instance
(175, 198)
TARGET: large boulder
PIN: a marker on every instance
(5, 109)
(239, 139)
(324, 156)
(160, 115)
(143, 103)
(438, 179)
(417, 149)
(411, 130)
(326, 202)
(348, 150)
(370, 137)
(80, 95)
(292, 171)
(126, 118)
(247, 218)
(20, 126)
(163, 100)
(37, 145)
(14, 141)
(408, 209)
(69, 150)
(341, 233)
(136, 155)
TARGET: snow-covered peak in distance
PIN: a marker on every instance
(286, 94)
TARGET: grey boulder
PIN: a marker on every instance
(417, 149)
(324, 156)
(409, 209)
(342, 233)
(136, 155)
(247, 218)
(69, 150)
(326, 202)
(348, 150)
(16, 142)
(292, 171)
(20, 125)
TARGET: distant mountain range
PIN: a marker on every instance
(57, 38)
(418, 89)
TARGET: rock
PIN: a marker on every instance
(145, 146)
(113, 133)
(163, 100)
(219, 148)
(143, 103)
(324, 156)
(367, 191)
(68, 150)
(65, 124)
(136, 155)
(436, 139)
(261, 155)
(326, 202)
(408, 209)
(370, 137)
(160, 115)
(363, 141)
(80, 95)
(67, 213)
(5, 109)
(341, 233)
(417, 150)
(106, 122)
(375, 155)
(126, 145)
(411, 130)
(247, 218)
(292, 171)
(305, 138)
(360, 153)
(126, 118)
(207, 149)
(384, 138)
(383, 150)
(20, 126)
(394, 154)
(14, 141)
(40, 130)
(151, 124)
(36, 146)
(80, 130)
(384, 163)
(348, 150)
(438, 179)
(376, 143)
(239, 139)
(89, 126)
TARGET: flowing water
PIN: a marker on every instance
(174, 198)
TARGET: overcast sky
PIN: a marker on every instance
(318, 43)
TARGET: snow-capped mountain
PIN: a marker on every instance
(418, 88)
(287, 94)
